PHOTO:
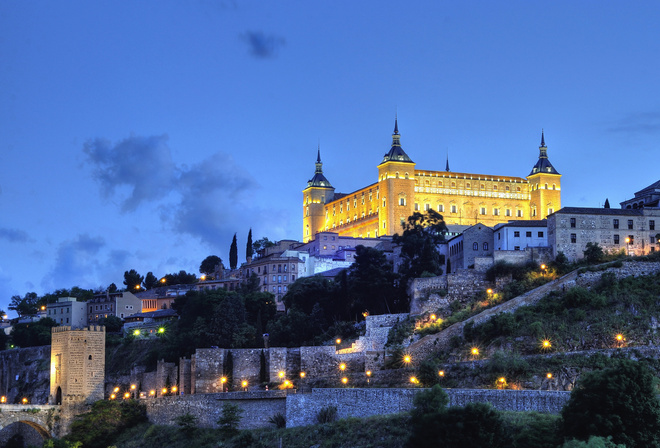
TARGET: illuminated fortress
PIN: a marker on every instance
(379, 209)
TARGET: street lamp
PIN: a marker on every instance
(223, 380)
(342, 366)
(244, 385)
(368, 373)
(628, 245)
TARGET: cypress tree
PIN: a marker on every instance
(233, 254)
(607, 203)
(263, 374)
(228, 369)
(248, 249)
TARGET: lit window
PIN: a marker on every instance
(402, 201)
(508, 212)
(483, 210)
(496, 211)
(416, 207)
(519, 213)
(427, 207)
(441, 208)
(453, 209)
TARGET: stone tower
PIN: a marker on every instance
(545, 186)
(318, 192)
(396, 182)
(77, 365)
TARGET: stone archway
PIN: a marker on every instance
(29, 432)
(58, 396)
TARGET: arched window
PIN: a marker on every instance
(475, 246)
(406, 175)
(485, 246)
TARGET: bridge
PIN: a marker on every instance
(35, 423)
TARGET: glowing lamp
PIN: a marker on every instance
(342, 366)
(344, 380)
(475, 351)
(441, 373)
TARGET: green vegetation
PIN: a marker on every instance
(230, 419)
(620, 402)
(578, 319)
(100, 427)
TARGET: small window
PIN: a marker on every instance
(573, 238)
(630, 224)
(416, 207)
(516, 247)
(483, 210)
(441, 208)
(485, 246)
(496, 211)
(528, 234)
(615, 223)
(516, 234)
(519, 213)
(540, 234)
(475, 246)
(402, 201)
(573, 222)
(453, 209)
(508, 212)
(427, 207)
(652, 224)
(616, 239)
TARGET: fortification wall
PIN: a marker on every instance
(535, 254)
(301, 409)
(258, 408)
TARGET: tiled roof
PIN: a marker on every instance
(599, 211)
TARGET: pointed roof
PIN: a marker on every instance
(543, 165)
(319, 180)
(396, 153)
(447, 167)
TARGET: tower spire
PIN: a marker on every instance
(319, 180)
(396, 153)
(542, 138)
(396, 125)
(447, 167)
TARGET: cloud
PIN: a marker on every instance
(77, 263)
(637, 123)
(262, 45)
(143, 165)
(14, 235)
(203, 200)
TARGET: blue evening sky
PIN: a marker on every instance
(144, 134)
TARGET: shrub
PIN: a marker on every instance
(99, 427)
(476, 425)
(230, 418)
(618, 402)
(593, 253)
(430, 401)
(593, 442)
(187, 423)
(278, 420)
(327, 414)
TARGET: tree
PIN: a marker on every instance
(421, 235)
(187, 423)
(262, 244)
(33, 334)
(371, 282)
(233, 254)
(249, 250)
(607, 203)
(112, 288)
(112, 324)
(593, 253)
(618, 402)
(25, 306)
(210, 264)
(150, 281)
(133, 280)
(230, 419)
(180, 278)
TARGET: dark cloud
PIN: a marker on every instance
(77, 263)
(638, 123)
(263, 45)
(202, 200)
(143, 165)
(14, 235)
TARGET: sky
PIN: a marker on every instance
(145, 134)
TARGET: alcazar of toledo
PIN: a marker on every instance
(462, 198)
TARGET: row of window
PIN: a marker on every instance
(475, 246)
(468, 185)
(277, 290)
(528, 234)
(615, 224)
(630, 239)
(277, 268)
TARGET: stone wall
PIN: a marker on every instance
(459, 286)
(25, 372)
(301, 409)
(535, 254)
(258, 408)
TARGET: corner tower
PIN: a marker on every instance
(396, 184)
(545, 186)
(318, 192)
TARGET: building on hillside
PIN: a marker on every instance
(648, 197)
(401, 189)
(518, 235)
(476, 242)
(631, 230)
(119, 304)
(68, 311)
(162, 297)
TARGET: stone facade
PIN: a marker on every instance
(527, 255)
(631, 230)
(25, 373)
(77, 364)
(427, 293)
(462, 198)
(475, 242)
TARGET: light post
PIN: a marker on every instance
(368, 373)
(628, 245)
(244, 385)
(223, 380)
